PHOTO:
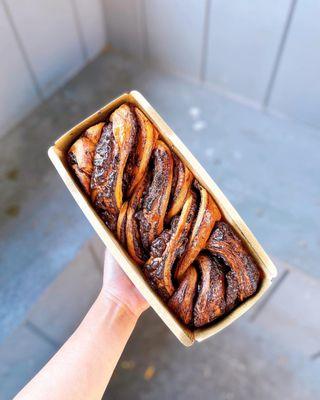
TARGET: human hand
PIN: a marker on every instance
(118, 286)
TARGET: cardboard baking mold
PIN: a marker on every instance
(58, 156)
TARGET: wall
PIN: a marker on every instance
(43, 44)
(262, 52)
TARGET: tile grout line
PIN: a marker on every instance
(76, 16)
(205, 41)
(23, 51)
(261, 305)
(144, 30)
(279, 54)
(37, 331)
(105, 25)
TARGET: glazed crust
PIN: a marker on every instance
(112, 152)
(231, 291)
(207, 216)
(122, 223)
(167, 247)
(182, 179)
(103, 180)
(181, 302)
(81, 155)
(224, 243)
(169, 223)
(210, 303)
(156, 198)
(147, 137)
(133, 236)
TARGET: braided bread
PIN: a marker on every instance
(181, 182)
(156, 196)
(81, 155)
(167, 247)
(167, 221)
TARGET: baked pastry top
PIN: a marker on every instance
(166, 220)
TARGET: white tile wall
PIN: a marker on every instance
(44, 43)
(175, 30)
(92, 24)
(49, 35)
(125, 26)
(244, 38)
(297, 85)
(234, 45)
(17, 92)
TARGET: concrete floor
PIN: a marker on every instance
(268, 167)
(267, 354)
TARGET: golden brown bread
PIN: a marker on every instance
(167, 247)
(167, 221)
(210, 303)
(134, 244)
(207, 215)
(225, 244)
(156, 196)
(112, 152)
(182, 301)
(81, 155)
(147, 136)
(181, 182)
(122, 223)
(121, 159)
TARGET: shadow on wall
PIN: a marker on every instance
(260, 53)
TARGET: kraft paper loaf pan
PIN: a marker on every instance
(57, 154)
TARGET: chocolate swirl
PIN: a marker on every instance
(227, 275)
(207, 216)
(167, 221)
(156, 198)
(167, 247)
(81, 155)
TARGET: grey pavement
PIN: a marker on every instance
(267, 166)
(52, 319)
(269, 353)
(51, 267)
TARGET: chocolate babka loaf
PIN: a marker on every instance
(165, 219)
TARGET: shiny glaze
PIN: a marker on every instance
(169, 223)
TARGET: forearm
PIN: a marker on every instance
(83, 366)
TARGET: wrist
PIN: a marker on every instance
(108, 299)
